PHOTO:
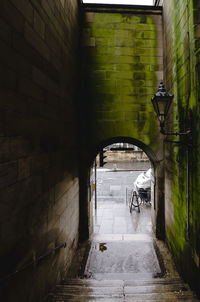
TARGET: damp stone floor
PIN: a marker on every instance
(112, 215)
(122, 246)
(122, 261)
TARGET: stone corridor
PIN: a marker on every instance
(75, 78)
(123, 267)
(124, 262)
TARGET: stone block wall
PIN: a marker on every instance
(181, 66)
(124, 156)
(123, 64)
(39, 185)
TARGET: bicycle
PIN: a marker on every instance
(143, 196)
(135, 201)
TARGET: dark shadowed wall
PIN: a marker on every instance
(38, 146)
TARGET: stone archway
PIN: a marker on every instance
(150, 153)
(158, 208)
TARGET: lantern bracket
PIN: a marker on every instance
(161, 102)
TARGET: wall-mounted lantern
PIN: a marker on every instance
(161, 102)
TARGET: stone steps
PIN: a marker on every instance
(89, 290)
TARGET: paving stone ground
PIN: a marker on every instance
(122, 261)
(112, 214)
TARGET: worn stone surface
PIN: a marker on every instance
(167, 288)
(120, 267)
(122, 259)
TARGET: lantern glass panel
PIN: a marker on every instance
(161, 106)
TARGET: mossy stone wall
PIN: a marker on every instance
(182, 65)
(123, 64)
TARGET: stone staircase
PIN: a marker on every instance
(80, 286)
(151, 289)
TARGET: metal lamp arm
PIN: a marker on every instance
(162, 131)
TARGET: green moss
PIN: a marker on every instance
(120, 75)
(116, 59)
(124, 51)
(107, 18)
(102, 51)
(148, 52)
(151, 60)
(122, 41)
(179, 174)
(140, 43)
(124, 67)
(101, 67)
(185, 81)
(126, 90)
(131, 19)
(125, 83)
(122, 81)
(144, 35)
(106, 33)
(124, 26)
(104, 86)
(104, 41)
(132, 67)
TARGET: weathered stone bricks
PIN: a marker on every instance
(89, 17)
(23, 168)
(25, 9)
(12, 16)
(38, 61)
(39, 77)
(181, 19)
(62, 3)
(28, 88)
(8, 174)
(16, 61)
(36, 42)
(25, 52)
(126, 52)
(39, 24)
(5, 149)
(5, 31)
(8, 78)
(47, 9)
(52, 41)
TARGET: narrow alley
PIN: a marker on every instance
(81, 82)
(125, 261)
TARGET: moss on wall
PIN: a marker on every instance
(182, 75)
(122, 70)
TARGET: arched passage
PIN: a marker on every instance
(158, 208)
(152, 156)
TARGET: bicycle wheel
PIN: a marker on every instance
(131, 202)
(136, 201)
